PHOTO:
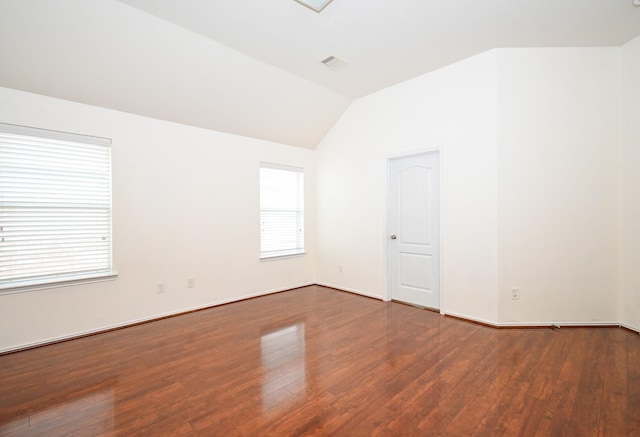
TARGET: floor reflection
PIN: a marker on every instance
(283, 362)
(94, 414)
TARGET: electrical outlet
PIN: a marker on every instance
(515, 293)
(191, 283)
(160, 287)
(340, 268)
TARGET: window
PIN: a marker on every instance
(55, 207)
(281, 210)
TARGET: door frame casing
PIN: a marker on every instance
(387, 231)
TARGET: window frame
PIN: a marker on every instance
(60, 278)
(299, 250)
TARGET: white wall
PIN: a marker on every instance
(529, 141)
(630, 184)
(557, 184)
(453, 109)
(185, 205)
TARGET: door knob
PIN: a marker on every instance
(394, 237)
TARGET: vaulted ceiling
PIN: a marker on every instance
(252, 67)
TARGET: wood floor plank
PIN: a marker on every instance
(317, 361)
(585, 416)
(563, 386)
(492, 397)
(633, 384)
(613, 414)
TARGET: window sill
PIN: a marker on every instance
(283, 256)
(24, 287)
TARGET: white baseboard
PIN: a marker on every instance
(535, 324)
(630, 328)
(471, 319)
(272, 291)
(349, 290)
(558, 324)
(132, 322)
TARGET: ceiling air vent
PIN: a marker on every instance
(333, 63)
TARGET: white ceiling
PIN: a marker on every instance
(388, 41)
(252, 67)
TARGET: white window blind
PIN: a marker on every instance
(55, 206)
(281, 210)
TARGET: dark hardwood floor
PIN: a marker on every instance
(316, 361)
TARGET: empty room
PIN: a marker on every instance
(319, 217)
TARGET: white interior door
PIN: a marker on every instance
(414, 229)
